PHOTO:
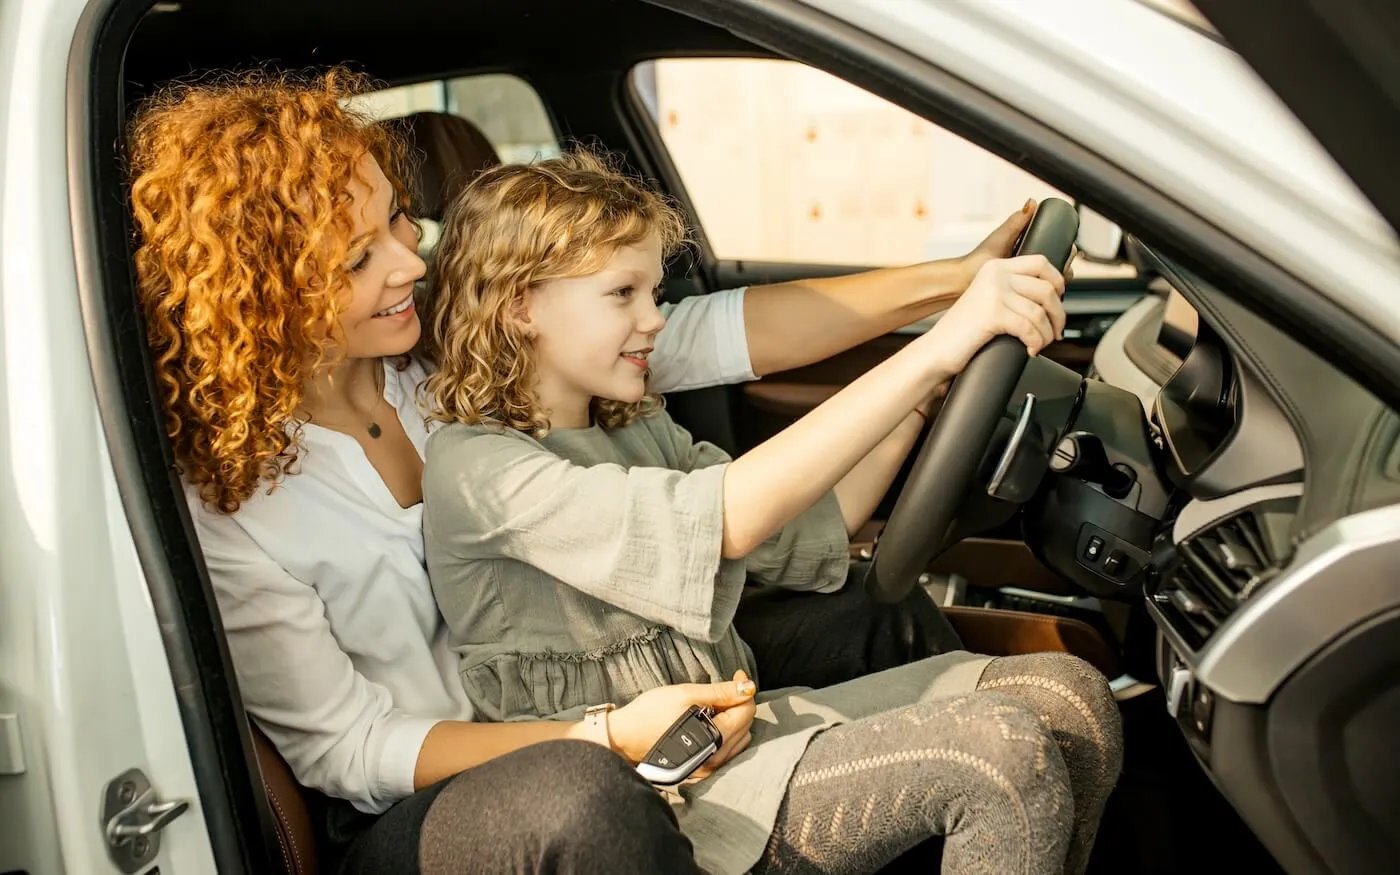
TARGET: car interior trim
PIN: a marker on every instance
(1200, 514)
(1339, 578)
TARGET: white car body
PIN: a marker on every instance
(86, 691)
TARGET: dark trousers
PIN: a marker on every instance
(567, 807)
(816, 640)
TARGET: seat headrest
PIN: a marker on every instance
(452, 151)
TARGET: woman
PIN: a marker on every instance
(279, 307)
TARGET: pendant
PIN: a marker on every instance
(374, 431)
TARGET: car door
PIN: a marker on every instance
(792, 173)
(1335, 65)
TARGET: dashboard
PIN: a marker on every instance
(1269, 576)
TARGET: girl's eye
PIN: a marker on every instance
(624, 292)
(360, 263)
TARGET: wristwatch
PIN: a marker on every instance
(595, 723)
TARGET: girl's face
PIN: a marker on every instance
(593, 333)
(380, 319)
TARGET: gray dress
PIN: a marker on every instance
(586, 568)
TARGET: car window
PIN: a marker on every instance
(504, 108)
(786, 163)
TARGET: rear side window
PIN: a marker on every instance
(507, 111)
(505, 108)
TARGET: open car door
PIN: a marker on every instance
(1335, 64)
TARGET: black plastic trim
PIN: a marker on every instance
(1331, 736)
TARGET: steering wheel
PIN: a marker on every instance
(927, 506)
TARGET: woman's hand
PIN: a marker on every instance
(998, 243)
(638, 725)
(1017, 296)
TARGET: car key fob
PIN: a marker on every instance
(691, 740)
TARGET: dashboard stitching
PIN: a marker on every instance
(1374, 436)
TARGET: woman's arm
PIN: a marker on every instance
(339, 732)
(860, 491)
(770, 485)
(343, 735)
(454, 746)
(789, 325)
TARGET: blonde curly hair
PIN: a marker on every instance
(514, 227)
(241, 195)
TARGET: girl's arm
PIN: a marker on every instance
(650, 540)
(770, 485)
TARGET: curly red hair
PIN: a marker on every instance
(241, 195)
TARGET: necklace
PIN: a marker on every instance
(374, 430)
(371, 427)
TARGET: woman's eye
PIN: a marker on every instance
(359, 264)
(624, 292)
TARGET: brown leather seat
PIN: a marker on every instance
(294, 840)
(1008, 633)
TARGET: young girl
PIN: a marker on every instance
(583, 549)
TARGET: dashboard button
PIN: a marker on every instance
(1113, 563)
(1093, 549)
(1201, 711)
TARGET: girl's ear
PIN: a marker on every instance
(520, 313)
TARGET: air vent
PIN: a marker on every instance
(1214, 571)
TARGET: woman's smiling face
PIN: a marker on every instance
(380, 319)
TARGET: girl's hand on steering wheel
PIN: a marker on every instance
(636, 726)
(1017, 296)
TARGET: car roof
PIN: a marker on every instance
(416, 40)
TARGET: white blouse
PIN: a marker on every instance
(339, 649)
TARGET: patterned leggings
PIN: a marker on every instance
(1013, 776)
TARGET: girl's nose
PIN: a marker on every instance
(652, 320)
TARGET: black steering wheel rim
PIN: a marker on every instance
(927, 507)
